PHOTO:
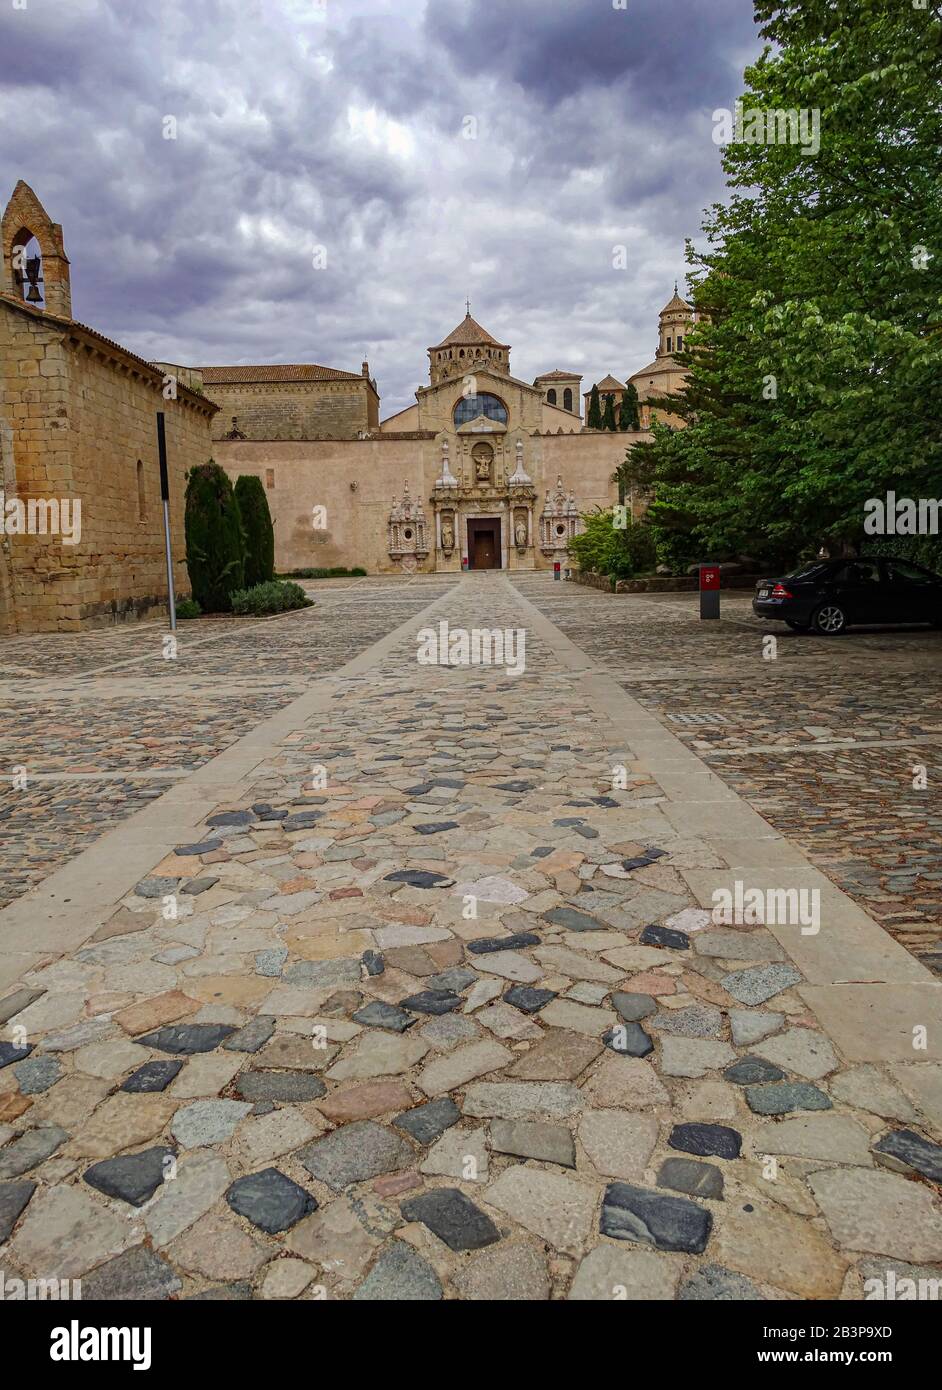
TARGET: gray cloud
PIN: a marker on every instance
(347, 131)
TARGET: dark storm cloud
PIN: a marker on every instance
(346, 131)
(554, 49)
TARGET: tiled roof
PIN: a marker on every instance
(469, 331)
(303, 371)
(677, 303)
(83, 330)
(658, 367)
(610, 383)
(559, 376)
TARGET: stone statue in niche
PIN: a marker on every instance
(448, 535)
(483, 458)
(520, 533)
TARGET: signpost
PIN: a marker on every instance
(709, 591)
(165, 498)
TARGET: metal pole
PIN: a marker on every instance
(165, 498)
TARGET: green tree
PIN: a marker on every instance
(258, 528)
(816, 381)
(621, 552)
(594, 420)
(628, 414)
(608, 418)
(214, 539)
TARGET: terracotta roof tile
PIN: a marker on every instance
(280, 371)
(469, 331)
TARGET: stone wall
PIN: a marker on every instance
(81, 418)
(295, 410)
(355, 482)
(658, 584)
(299, 476)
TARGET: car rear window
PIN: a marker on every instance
(810, 571)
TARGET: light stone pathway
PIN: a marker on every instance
(456, 1024)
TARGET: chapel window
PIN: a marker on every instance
(470, 407)
(551, 396)
(567, 398)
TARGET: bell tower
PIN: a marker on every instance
(35, 266)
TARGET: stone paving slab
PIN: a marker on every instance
(546, 1134)
(95, 745)
(824, 741)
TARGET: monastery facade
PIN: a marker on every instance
(484, 471)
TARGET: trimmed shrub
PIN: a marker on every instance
(214, 544)
(258, 530)
(337, 573)
(277, 596)
(187, 608)
(603, 548)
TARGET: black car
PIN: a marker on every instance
(829, 596)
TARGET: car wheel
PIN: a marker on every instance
(796, 626)
(830, 620)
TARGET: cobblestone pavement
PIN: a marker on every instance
(78, 714)
(451, 1025)
(826, 741)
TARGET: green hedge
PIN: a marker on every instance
(187, 608)
(922, 550)
(337, 573)
(276, 596)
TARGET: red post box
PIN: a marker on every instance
(556, 569)
(709, 591)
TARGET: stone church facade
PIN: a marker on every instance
(484, 471)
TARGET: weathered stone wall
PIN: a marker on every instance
(299, 476)
(82, 426)
(294, 410)
(320, 473)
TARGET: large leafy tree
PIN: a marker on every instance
(816, 381)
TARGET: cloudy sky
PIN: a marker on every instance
(426, 150)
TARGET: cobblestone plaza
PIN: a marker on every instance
(329, 973)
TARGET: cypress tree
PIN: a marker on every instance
(628, 417)
(594, 421)
(214, 539)
(259, 532)
(608, 419)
